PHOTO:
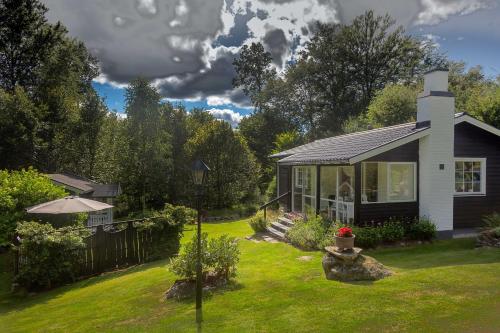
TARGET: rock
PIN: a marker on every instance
(490, 238)
(187, 288)
(347, 256)
(343, 266)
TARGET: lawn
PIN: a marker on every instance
(445, 287)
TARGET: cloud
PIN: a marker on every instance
(277, 44)
(436, 11)
(228, 115)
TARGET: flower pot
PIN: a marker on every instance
(345, 243)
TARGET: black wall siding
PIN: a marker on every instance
(471, 141)
(381, 212)
(285, 181)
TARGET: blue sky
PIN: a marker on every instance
(186, 47)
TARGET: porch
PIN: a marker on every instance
(365, 192)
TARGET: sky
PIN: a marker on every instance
(186, 47)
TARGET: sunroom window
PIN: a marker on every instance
(388, 182)
(470, 176)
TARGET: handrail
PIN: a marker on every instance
(274, 200)
(264, 206)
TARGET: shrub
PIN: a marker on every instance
(218, 256)
(258, 223)
(423, 229)
(492, 220)
(308, 234)
(367, 237)
(53, 254)
(19, 190)
(392, 231)
(179, 214)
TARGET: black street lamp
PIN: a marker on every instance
(199, 171)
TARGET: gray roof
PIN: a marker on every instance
(88, 187)
(340, 149)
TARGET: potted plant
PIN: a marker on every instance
(344, 239)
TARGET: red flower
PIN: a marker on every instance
(344, 232)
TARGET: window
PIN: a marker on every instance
(299, 177)
(470, 176)
(388, 182)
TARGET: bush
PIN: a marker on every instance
(218, 256)
(423, 229)
(308, 234)
(258, 223)
(392, 231)
(367, 237)
(53, 254)
(19, 190)
(492, 221)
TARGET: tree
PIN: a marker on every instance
(147, 166)
(26, 41)
(287, 140)
(17, 130)
(253, 71)
(233, 174)
(484, 104)
(347, 64)
(19, 190)
(395, 104)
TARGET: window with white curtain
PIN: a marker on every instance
(388, 182)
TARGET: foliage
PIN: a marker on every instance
(367, 237)
(26, 41)
(356, 124)
(53, 254)
(308, 234)
(18, 128)
(484, 104)
(233, 173)
(392, 231)
(393, 105)
(422, 229)
(492, 220)
(19, 190)
(218, 256)
(287, 140)
(253, 70)
(258, 223)
(148, 147)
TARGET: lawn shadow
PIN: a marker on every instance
(22, 300)
(208, 294)
(443, 253)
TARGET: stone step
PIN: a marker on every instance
(280, 227)
(285, 221)
(276, 233)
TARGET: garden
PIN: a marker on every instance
(277, 287)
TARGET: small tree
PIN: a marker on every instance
(19, 190)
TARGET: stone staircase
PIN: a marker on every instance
(278, 228)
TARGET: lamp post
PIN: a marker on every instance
(199, 171)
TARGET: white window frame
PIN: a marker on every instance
(297, 178)
(482, 160)
(388, 184)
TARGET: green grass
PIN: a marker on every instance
(447, 286)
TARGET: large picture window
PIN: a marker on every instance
(470, 176)
(388, 182)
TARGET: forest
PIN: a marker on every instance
(348, 77)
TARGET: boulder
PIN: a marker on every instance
(352, 266)
(489, 238)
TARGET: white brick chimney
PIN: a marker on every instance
(436, 106)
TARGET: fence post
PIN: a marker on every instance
(265, 210)
(16, 261)
(130, 243)
(100, 247)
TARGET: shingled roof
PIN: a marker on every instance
(88, 187)
(341, 149)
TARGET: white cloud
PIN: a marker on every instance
(228, 115)
(436, 11)
(218, 100)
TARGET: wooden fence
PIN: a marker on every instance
(115, 245)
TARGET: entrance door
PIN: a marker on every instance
(304, 190)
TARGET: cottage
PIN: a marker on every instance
(86, 188)
(445, 166)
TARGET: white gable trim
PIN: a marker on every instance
(477, 123)
(388, 146)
